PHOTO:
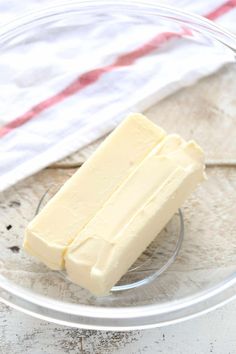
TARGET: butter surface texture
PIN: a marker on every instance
(50, 233)
(134, 214)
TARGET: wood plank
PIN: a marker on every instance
(205, 111)
(22, 334)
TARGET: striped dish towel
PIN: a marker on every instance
(65, 87)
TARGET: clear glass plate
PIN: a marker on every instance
(203, 275)
(158, 257)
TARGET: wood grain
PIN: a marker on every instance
(205, 112)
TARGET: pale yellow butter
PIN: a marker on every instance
(55, 227)
(134, 214)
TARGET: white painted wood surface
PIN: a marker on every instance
(214, 332)
(206, 104)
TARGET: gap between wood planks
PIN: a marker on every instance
(209, 164)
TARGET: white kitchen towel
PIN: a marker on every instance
(63, 87)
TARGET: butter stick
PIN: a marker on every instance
(55, 227)
(134, 214)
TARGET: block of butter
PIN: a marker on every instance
(134, 214)
(50, 233)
